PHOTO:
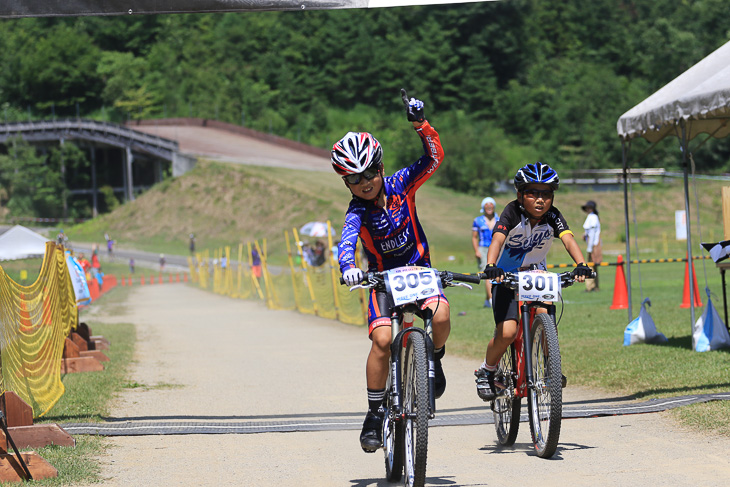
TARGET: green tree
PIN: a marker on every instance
(32, 186)
(53, 68)
(111, 201)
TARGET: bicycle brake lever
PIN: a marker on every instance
(462, 284)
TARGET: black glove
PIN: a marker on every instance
(414, 107)
(491, 271)
(582, 270)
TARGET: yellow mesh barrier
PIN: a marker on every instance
(193, 270)
(307, 289)
(34, 323)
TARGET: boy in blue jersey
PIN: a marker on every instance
(382, 213)
(481, 238)
(522, 238)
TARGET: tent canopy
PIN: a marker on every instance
(21, 243)
(700, 96)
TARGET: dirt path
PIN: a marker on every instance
(225, 361)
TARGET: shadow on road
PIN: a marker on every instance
(429, 481)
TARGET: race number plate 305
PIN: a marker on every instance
(539, 286)
(408, 284)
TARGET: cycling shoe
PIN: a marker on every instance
(371, 437)
(486, 389)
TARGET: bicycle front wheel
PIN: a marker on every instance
(415, 407)
(506, 407)
(545, 399)
(393, 432)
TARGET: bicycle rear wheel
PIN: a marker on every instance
(415, 406)
(506, 407)
(545, 400)
(393, 438)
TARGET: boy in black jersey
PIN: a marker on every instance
(522, 238)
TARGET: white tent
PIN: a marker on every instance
(21, 243)
(697, 101)
(700, 96)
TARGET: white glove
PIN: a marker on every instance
(352, 276)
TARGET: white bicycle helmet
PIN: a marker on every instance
(355, 152)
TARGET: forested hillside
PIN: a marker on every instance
(504, 82)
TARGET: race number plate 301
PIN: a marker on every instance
(408, 284)
(539, 286)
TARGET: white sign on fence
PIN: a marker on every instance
(680, 224)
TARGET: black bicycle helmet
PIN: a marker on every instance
(536, 173)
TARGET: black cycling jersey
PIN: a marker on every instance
(524, 244)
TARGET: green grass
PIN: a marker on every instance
(13, 268)
(87, 399)
(76, 465)
(591, 341)
(88, 395)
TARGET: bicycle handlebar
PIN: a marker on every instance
(446, 278)
(511, 279)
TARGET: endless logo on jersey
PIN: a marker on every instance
(396, 242)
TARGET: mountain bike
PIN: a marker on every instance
(531, 367)
(409, 399)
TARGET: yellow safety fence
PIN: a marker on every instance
(34, 323)
(296, 286)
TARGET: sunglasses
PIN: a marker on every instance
(536, 193)
(368, 174)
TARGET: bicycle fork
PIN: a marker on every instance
(527, 337)
(526, 342)
(397, 349)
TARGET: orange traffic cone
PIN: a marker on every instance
(620, 292)
(685, 294)
(141, 280)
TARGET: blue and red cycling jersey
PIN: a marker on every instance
(392, 236)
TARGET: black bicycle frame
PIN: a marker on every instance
(526, 336)
(396, 348)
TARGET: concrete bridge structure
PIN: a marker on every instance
(140, 156)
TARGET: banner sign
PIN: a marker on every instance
(78, 279)
(54, 8)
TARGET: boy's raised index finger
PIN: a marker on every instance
(404, 96)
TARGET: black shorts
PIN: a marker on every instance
(504, 305)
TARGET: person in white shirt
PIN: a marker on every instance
(592, 237)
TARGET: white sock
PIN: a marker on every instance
(490, 368)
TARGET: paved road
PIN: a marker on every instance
(224, 146)
(222, 361)
(141, 258)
